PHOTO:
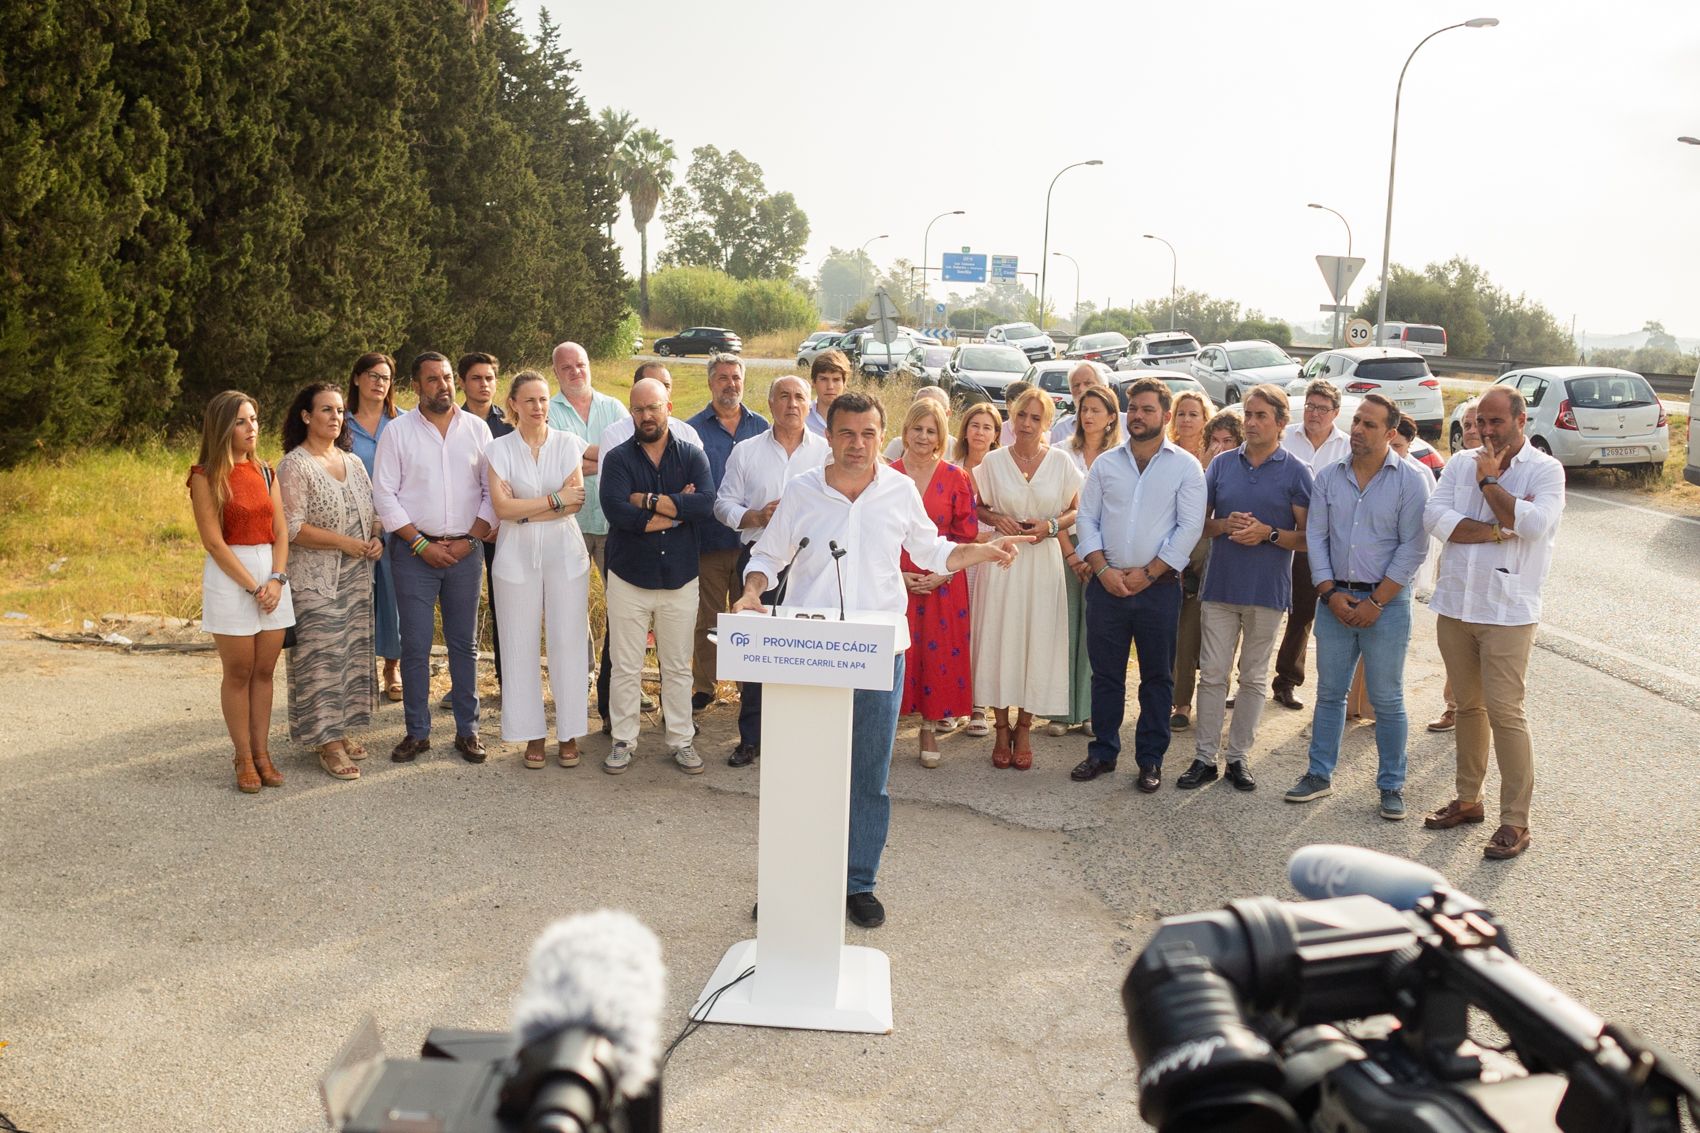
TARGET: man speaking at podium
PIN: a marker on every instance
(858, 510)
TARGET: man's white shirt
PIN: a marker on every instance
(1335, 448)
(756, 475)
(1495, 583)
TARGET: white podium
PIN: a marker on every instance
(809, 664)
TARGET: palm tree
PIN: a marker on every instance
(616, 126)
(644, 170)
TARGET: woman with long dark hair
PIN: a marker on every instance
(371, 407)
(334, 540)
(245, 595)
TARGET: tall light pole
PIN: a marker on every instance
(925, 236)
(1045, 255)
(1339, 300)
(1393, 164)
(862, 257)
(1174, 274)
(1076, 264)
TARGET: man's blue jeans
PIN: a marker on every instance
(418, 591)
(1149, 624)
(873, 722)
(1382, 646)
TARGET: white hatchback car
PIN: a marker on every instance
(1401, 375)
(1590, 417)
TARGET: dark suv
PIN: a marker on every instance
(701, 340)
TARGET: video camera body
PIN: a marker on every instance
(1235, 1019)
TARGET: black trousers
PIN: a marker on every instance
(490, 592)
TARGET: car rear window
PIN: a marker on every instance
(1392, 369)
(1609, 391)
(1425, 334)
(1054, 381)
(1021, 330)
(1099, 341)
(999, 359)
(1171, 346)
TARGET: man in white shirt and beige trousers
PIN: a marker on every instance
(1496, 510)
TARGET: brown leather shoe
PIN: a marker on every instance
(471, 748)
(1447, 721)
(1453, 814)
(1507, 842)
(409, 749)
(270, 776)
(246, 780)
(1285, 698)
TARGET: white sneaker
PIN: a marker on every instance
(688, 760)
(619, 758)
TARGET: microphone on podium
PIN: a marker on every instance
(838, 553)
(784, 579)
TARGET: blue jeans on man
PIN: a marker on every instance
(419, 590)
(1149, 624)
(873, 717)
(1382, 647)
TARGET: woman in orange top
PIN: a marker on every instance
(245, 601)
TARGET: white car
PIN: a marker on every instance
(1165, 349)
(1228, 370)
(1402, 375)
(1691, 471)
(1025, 337)
(1591, 417)
(1052, 377)
(817, 343)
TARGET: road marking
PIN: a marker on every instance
(1685, 679)
(1589, 496)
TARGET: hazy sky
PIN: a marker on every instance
(1544, 149)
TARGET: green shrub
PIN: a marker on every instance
(699, 296)
(772, 304)
(617, 343)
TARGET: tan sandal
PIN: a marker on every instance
(335, 762)
(270, 776)
(247, 781)
(356, 750)
(534, 757)
(567, 753)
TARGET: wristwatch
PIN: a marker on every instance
(1274, 535)
(279, 577)
(1485, 481)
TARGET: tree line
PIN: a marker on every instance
(249, 193)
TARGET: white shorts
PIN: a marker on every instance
(228, 609)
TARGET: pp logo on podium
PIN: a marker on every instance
(739, 639)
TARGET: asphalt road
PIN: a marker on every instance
(178, 956)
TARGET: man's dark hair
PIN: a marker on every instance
(643, 370)
(1386, 403)
(421, 358)
(475, 358)
(1407, 428)
(854, 401)
(1165, 396)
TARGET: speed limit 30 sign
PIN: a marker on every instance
(1359, 332)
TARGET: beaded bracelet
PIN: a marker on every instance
(555, 503)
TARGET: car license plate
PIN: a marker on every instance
(1630, 450)
(1403, 404)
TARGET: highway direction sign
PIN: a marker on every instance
(1003, 267)
(963, 268)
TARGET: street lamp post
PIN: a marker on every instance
(1076, 264)
(1045, 255)
(862, 257)
(925, 236)
(1393, 163)
(1174, 274)
(1339, 300)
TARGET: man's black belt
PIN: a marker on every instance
(1356, 586)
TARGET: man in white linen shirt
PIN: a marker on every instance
(1316, 440)
(429, 491)
(756, 475)
(872, 512)
(1496, 510)
(619, 432)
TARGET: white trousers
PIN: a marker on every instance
(631, 610)
(1222, 626)
(549, 605)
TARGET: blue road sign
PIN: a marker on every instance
(1003, 267)
(960, 268)
(938, 308)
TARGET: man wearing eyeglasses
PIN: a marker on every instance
(872, 512)
(1317, 441)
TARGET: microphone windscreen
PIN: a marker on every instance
(1323, 871)
(803, 542)
(601, 971)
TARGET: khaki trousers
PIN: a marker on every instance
(718, 586)
(1486, 666)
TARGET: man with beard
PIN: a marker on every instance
(1141, 511)
(655, 491)
(429, 492)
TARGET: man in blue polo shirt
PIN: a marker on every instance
(1257, 496)
(1366, 541)
(723, 422)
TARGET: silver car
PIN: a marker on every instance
(1228, 370)
(818, 343)
(1164, 349)
(1401, 375)
(1589, 417)
(980, 369)
(1025, 337)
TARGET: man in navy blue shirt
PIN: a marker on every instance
(1257, 498)
(722, 423)
(657, 493)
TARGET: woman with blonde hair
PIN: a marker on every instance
(1097, 431)
(936, 680)
(245, 599)
(1020, 618)
(1190, 414)
(978, 431)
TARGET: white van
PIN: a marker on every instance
(1691, 472)
(1420, 338)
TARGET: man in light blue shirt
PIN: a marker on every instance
(1366, 538)
(1141, 511)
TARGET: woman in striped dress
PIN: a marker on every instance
(334, 540)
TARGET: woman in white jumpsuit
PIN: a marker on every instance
(541, 574)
